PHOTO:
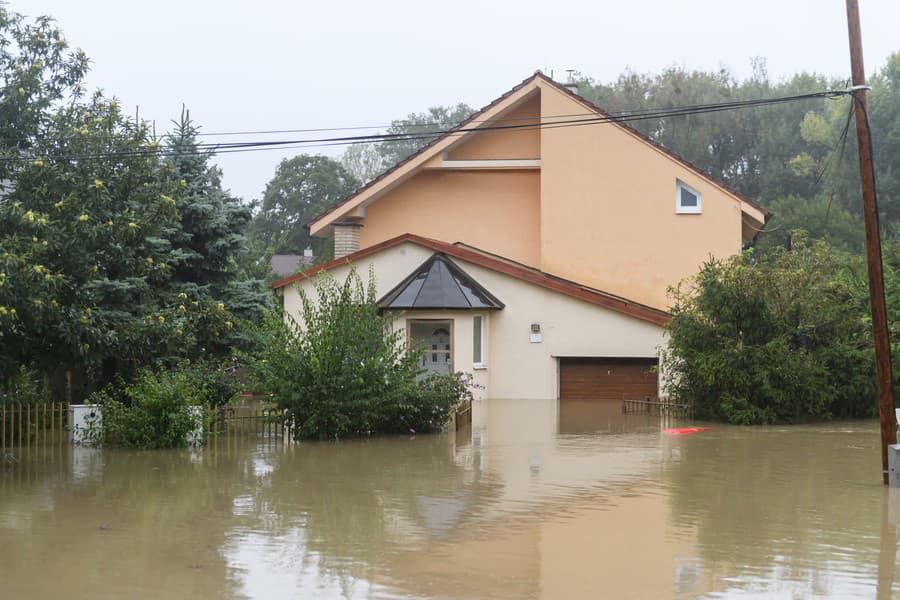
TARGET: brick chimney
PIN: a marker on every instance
(346, 238)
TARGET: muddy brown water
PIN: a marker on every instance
(537, 500)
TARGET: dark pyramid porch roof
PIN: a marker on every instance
(439, 283)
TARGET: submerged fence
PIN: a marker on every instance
(249, 420)
(663, 408)
(33, 425)
(46, 425)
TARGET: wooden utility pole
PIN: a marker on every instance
(873, 240)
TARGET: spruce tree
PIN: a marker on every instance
(209, 236)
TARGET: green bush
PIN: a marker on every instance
(426, 405)
(158, 410)
(343, 370)
(781, 338)
(25, 387)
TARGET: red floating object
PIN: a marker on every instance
(684, 430)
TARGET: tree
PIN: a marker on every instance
(208, 236)
(86, 265)
(821, 217)
(884, 114)
(422, 128)
(37, 73)
(302, 188)
(780, 338)
(364, 161)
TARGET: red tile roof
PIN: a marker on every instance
(499, 265)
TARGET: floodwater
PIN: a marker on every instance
(537, 500)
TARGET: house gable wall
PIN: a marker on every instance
(521, 143)
(498, 210)
(594, 204)
(608, 210)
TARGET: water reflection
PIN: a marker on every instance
(536, 500)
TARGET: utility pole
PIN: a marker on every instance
(883, 373)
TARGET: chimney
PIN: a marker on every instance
(346, 238)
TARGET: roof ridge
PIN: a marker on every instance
(538, 75)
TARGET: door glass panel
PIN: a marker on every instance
(434, 337)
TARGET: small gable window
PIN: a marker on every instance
(687, 199)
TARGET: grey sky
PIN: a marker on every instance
(298, 64)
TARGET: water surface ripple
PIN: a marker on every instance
(536, 500)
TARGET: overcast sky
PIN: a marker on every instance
(267, 64)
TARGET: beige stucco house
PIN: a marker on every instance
(533, 245)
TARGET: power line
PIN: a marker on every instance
(619, 117)
(408, 123)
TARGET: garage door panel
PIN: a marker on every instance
(607, 379)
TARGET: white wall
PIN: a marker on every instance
(516, 368)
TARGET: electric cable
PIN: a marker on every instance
(621, 117)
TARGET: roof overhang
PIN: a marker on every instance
(433, 155)
(499, 265)
(358, 200)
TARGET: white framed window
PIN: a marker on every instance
(687, 200)
(478, 342)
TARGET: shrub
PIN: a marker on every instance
(343, 370)
(427, 404)
(159, 409)
(25, 386)
(782, 338)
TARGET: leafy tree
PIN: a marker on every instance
(775, 339)
(418, 126)
(302, 187)
(86, 265)
(884, 115)
(749, 148)
(364, 161)
(38, 72)
(821, 217)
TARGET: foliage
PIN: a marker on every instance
(159, 409)
(112, 258)
(302, 187)
(86, 269)
(208, 236)
(793, 157)
(822, 218)
(420, 129)
(780, 338)
(429, 403)
(25, 386)
(343, 370)
(366, 161)
(38, 72)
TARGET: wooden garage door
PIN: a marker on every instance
(607, 378)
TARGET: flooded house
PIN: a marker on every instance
(533, 245)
